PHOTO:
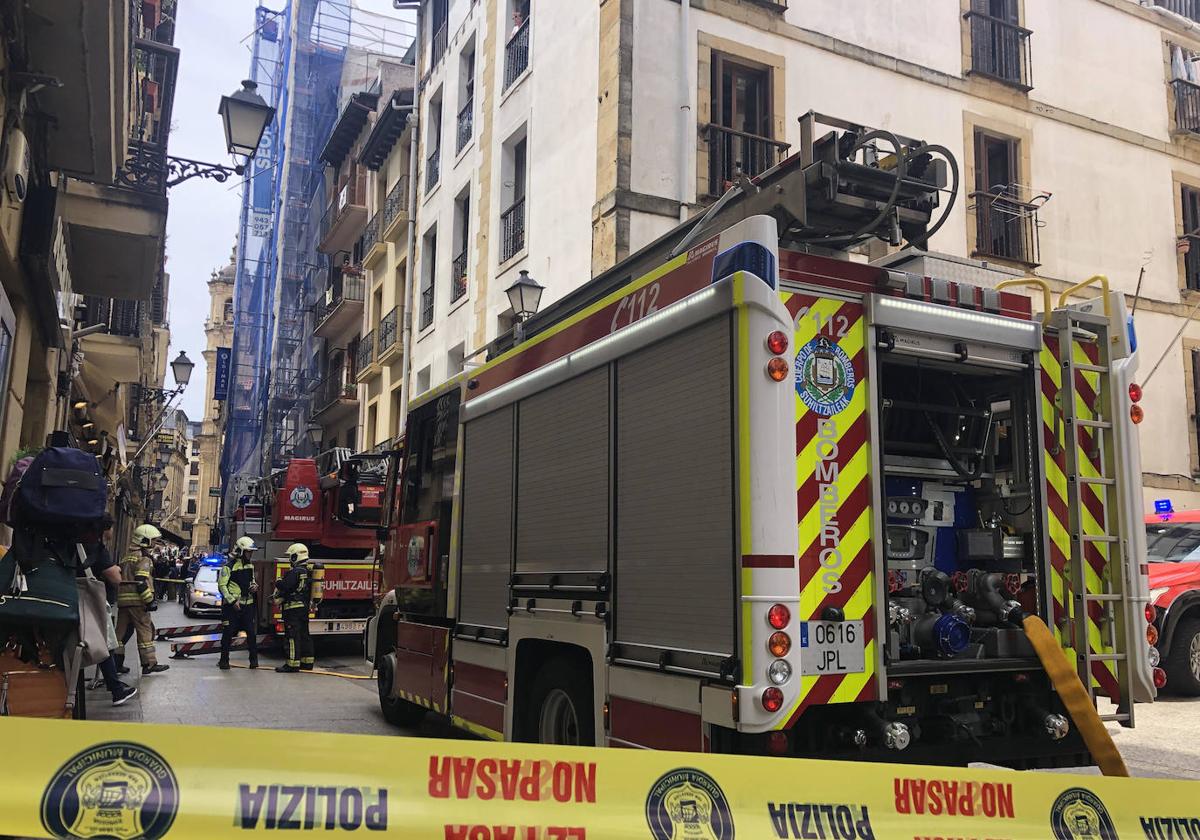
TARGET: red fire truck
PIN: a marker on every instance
(743, 493)
(300, 503)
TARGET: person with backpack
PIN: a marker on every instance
(135, 598)
(235, 582)
(294, 591)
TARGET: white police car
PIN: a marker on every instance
(202, 596)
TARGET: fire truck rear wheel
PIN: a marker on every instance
(560, 705)
(396, 711)
(1182, 662)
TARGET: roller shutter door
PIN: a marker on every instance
(675, 535)
(562, 477)
(486, 545)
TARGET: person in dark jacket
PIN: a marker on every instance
(294, 592)
(235, 582)
(106, 570)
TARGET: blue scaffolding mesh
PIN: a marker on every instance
(302, 57)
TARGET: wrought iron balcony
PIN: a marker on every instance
(426, 306)
(364, 354)
(1000, 50)
(438, 49)
(516, 55)
(458, 276)
(395, 205)
(346, 212)
(1187, 105)
(433, 169)
(731, 152)
(465, 124)
(512, 230)
(370, 237)
(122, 317)
(387, 330)
(1187, 8)
(343, 295)
(337, 387)
(1006, 228)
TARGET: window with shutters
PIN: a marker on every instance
(1189, 242)
(1006, 219)
(999, 44)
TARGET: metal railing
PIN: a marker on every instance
(426, 306)
(465, 124)
(387, 330)
(512, 230)
(342, 287)
(1187, 8)
(1187, 105)
(350, 192)
(516, 55)
(438, 49)
(370, 235)
(458, 276)
(1000, 50)
(338, 384)
(364, 354)
(1006, 228)
(1191, 265)
(731, 152)
(122, 317)
(433, 169)
(396, 202)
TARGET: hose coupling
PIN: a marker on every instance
(1057, 726)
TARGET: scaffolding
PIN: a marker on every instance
(307, 59)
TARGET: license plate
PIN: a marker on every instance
(831, 647)
(343, 626)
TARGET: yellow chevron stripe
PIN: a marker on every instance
(853, 539)
(809, 527)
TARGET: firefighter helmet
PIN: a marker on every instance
(244, 547)
(297, 553)
(145, 535)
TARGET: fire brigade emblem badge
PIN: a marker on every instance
(1078, 814)
(688, 804)
(824, 377)
(301, 497)
(115, 789)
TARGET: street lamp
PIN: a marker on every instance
(181, 369)
(524, 296)
(162, 481)
(246, 116)
(314, 432)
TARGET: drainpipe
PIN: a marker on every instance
(410, 237)
(687, 141)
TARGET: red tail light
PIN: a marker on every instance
(778, 369)
(1136, 414)
(777, 343)
(779, 616)
(772, 699)
(1135, 392)
(1160, 679)
(1150, 614)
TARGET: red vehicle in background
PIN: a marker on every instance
(1173, 552)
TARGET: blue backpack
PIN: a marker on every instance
(63, 486)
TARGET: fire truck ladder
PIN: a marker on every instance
(1072, 324)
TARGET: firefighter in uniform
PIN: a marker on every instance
(135, 597)
(294, 591)
(235, 582)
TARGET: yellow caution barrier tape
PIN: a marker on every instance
(96, 779)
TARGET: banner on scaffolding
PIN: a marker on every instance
(85, 779)
(221, 375)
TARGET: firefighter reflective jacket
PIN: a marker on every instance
(137, 581)
(233, 581)
(295, 587)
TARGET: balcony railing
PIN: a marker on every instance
(440, 39)
(1187, 105)
(370, 235)
(433, 169)
(342, 287)
(350, 192)
(458, 276)
(364, 355)
(465, 124)
(337, 385)
(122, 317)
(516, 55)
(732, 152)
(396, 202)
(426, 306)
(1187, 8)
(1000, 50)
(387, 330)
(1006, 228)
(512, 230)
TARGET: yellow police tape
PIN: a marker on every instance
(92, 779)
